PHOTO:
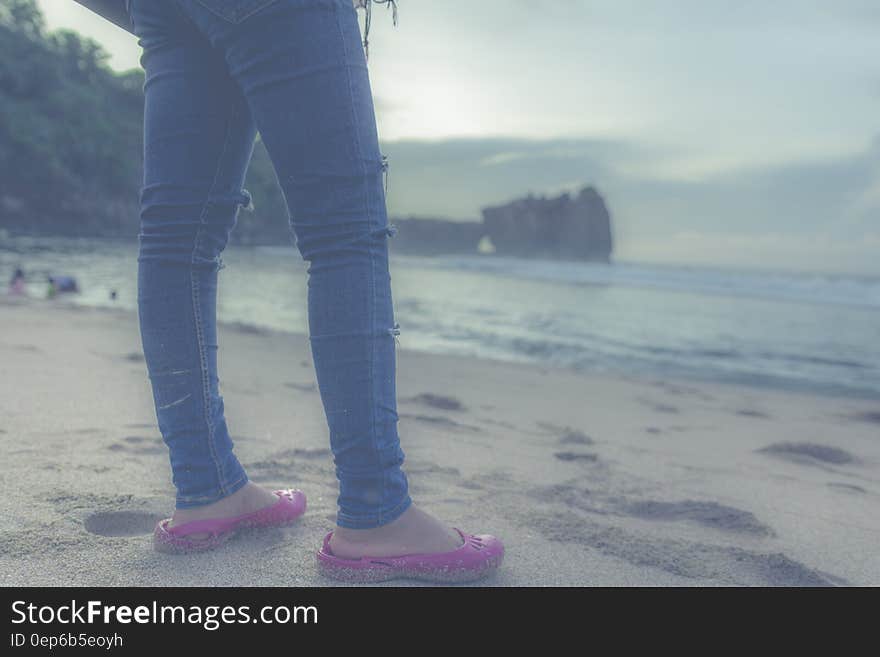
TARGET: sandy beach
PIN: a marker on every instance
(588, 479)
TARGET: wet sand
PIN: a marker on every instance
(588, 479)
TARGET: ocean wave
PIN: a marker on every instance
(832, 289)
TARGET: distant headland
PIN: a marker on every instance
(561, 227)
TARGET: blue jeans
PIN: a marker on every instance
(218, 71)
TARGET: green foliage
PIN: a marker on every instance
(23, 16)
(71, 138)
(69, 129)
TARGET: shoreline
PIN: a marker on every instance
(808, 389)
(589, 479)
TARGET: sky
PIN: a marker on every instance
(732, 133)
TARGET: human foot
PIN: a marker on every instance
(206, 533)
(415, 546)
(414, 532)
(247, 499)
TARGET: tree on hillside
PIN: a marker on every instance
(24, 16)
(71, 138)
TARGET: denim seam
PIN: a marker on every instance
(258, 8)
(181, 13)
(200, 337)
(372, 282)
(238, 19)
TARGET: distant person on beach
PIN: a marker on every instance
(16, 284)
(218, 71)
(65, 283)
(59, 284)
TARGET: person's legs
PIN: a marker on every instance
(198, 140)
(301, 67)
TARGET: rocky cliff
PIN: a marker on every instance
(559, 227)
(563, 227)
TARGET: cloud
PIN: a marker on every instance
(744, 214)
(728, 121)
(816, 252)
(501, 158)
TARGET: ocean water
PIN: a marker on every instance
(815, 332)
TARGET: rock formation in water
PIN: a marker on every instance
(559, 227)
(562, 227)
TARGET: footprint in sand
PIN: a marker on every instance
(138, 445)
(658, 407)
(439, 420)
(575, 437)
(314, 464)
(94, 469)
(431, 479)
(305, 387)
(708, 514)
(852, 488)
(498, 423)
(441, 402)
(576, 456)
(121, 523)
(750, 412)
(567, 435)
(809, 453)
(428, 467)
(691, 559)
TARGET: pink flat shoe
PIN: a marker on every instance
(291, 505)
(478, 556)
